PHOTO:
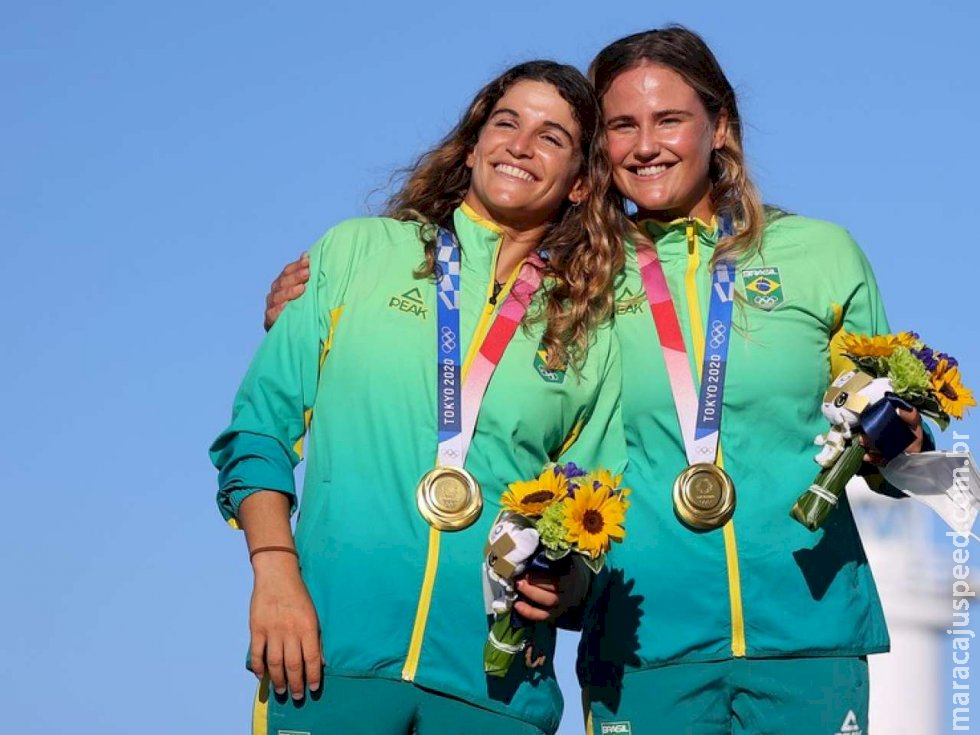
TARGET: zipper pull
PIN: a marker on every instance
(497, 288)
(691, 235)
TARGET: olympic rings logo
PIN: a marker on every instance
(448, 339)
(718, 333)
(765, 300)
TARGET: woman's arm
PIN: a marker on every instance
(860, 310)
(255, 457)
(285, 635)
(600, 442)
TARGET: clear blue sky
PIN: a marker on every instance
(162, 161)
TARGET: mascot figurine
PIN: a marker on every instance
(843, 403)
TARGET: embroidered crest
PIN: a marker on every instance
(763, 287)
(540, 364)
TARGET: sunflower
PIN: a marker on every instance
(593, 518)
(953, 396)
(910, 340)
(860, 345)
(532, 497)
(602, 478)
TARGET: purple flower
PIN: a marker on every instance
(572, 470)
(950, 360)
(927, 357)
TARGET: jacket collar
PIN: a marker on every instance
(658, 229)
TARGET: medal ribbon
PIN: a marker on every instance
(459, 397)
(699, 415)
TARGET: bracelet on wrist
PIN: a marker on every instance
(285, 549)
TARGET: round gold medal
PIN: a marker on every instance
(449, 498)
(704, 496)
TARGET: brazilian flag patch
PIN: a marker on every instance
(541, 365)
(763, 287)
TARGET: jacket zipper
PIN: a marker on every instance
(728, 530)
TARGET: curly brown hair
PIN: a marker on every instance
(685, 52)
(583, 246)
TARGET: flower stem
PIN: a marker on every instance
(812, 510)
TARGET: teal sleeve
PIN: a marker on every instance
(260, 447)
(600, 444)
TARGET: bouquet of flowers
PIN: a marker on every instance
(565, 513)
(890, 371)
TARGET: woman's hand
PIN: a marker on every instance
(539, 603)
(914, 420)
(282, 621)
(287, 286)
(539, 595)
(283, 624)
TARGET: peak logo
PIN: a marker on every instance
(616, 728)
(850, 725)
(629, 303)
(410, 302)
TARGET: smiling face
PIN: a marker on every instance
(527, 160)
(660, 139)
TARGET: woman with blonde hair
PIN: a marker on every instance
(497, 248)
(728, 616)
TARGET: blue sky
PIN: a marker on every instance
(163, 161)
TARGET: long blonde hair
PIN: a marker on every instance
(583, 246)
(685, 52)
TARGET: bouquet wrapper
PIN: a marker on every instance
(946, 482)
(890, 436)
(887, 430)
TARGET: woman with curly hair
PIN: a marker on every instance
(494, 260)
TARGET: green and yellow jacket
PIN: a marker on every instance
(351, 366)
(762, 585)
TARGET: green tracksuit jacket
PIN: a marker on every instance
(763, 585)
(354, 359)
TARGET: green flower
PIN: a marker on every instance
(551, 526)
(907, 372)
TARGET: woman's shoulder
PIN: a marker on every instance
(366, 237)
(370, 232)
(817, 249)
(355, 245)
(788, 228)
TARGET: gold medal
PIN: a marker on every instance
(449, 498)
(704, 496)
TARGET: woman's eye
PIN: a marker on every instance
(553, 140)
